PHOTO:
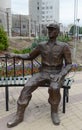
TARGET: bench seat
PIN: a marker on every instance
(20, 81)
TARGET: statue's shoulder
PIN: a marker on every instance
(43, 43)
(62, 44)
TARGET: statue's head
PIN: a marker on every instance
(53, 30)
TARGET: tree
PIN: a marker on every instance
(73, 30)
(3, 39)
(80, 30)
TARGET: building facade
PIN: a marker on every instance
(5, 15)
(20, 25)
(43, 12)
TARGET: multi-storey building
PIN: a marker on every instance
(43, 12)
(20, 25)
(5, 15)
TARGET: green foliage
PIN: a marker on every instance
(73, 30)
(3, 39)
(34, 44)
(80, 30)
(40, 39)
(64, 38)
(26, 50)
(17, 51)
(29, 49)
(37, 41)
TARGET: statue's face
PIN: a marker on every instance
(53, 32)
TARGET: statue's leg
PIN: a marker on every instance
(24, 99)
(54, 100)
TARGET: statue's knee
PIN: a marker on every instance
(28, 84)
(54, 86)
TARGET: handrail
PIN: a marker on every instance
(4, 64)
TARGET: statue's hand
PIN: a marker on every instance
(10, 55)
(56, 77)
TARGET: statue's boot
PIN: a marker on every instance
(54, 116)
(18, 118)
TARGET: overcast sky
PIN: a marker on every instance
(66, 10)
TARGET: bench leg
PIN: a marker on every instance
(7, 97)
(64, 100)
(67, 95)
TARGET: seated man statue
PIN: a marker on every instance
(53, 55)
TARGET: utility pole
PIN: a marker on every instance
(20, 23)
(8, 23)
(78, 29)
(8, 20)
(75, 27)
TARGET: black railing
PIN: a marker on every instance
(6, 63)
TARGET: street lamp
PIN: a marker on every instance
(75, 27)
(78, 29)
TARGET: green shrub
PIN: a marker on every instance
(3, 39)
(2, 47)
(26, 50)
(17, 51)
(34, 44)
(64, 38)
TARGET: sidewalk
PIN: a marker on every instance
(37, 115)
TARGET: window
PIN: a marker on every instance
(43, 7)
(37, 3)
(51, 7)
(24, 26)
(43, 17)
(42, 20)
(43, 12)
(50, 16)
(38, 8)
(46, 16)
(46, 7)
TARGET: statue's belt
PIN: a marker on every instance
(52, 67)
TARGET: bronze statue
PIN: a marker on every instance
(53, 55)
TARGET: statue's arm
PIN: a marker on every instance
(28, 56)
(68, 61)
(20, 56)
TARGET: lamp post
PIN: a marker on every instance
(78, 29)
(75, 27)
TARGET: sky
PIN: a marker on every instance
(66, 10)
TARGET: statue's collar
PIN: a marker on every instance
(50, 42)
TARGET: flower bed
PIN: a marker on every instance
(18, 70)
(27, 69)
(76, 67)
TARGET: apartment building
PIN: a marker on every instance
(20, 25)
(43, 12)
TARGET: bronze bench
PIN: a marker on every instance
(11, 81)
